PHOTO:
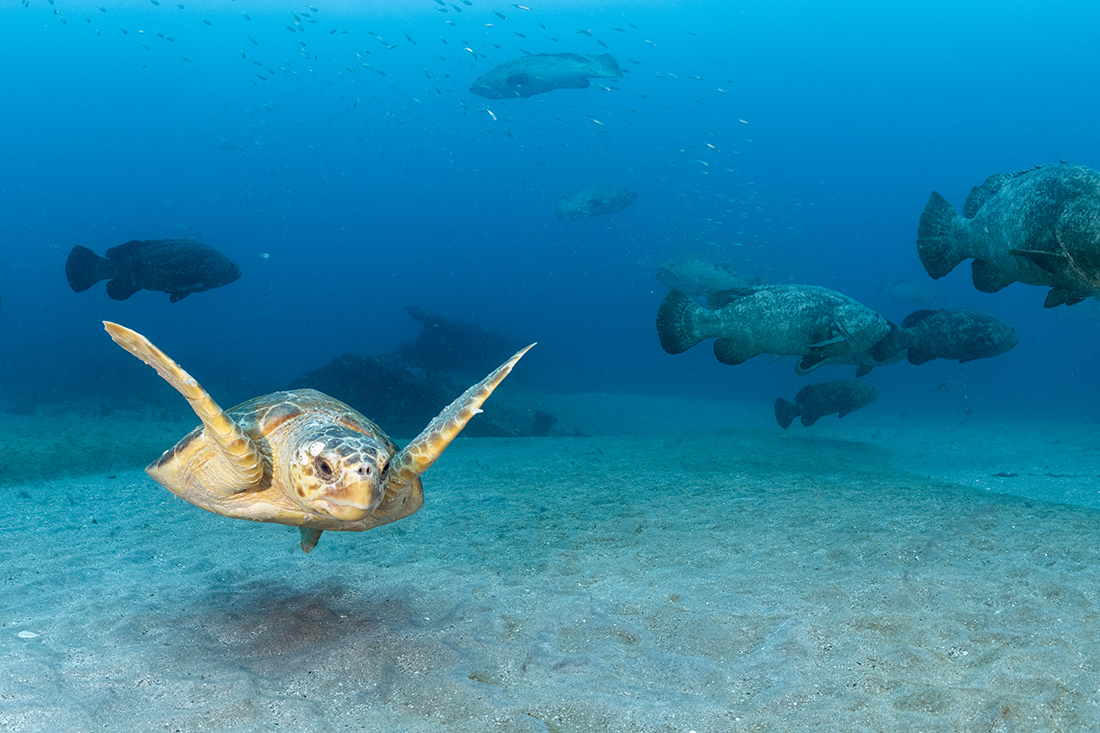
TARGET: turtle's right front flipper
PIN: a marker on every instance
(243, 466)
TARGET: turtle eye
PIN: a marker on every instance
(324, 469)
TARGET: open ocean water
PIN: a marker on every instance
(737, 577)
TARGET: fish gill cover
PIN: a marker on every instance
(335, 153)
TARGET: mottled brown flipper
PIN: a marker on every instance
(241, 466)
(415, 458)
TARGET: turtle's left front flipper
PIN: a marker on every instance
(415, 458)
(242, 467)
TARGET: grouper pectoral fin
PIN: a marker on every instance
(1052, 262)
(820, 345)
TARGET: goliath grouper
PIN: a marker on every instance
(961, 334)
(802, 320)
(1038, 227)
(543, 72)
(178, 267)
(599, 198)
(815, 401)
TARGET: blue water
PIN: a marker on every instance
(798, 140)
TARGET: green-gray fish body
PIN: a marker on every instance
(1038, 227)
(543, 72)
(599, 198)
(961, 334)
(785, 320)
(815, 401)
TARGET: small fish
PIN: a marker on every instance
(585, 32)
(178, 267)
(246, 16)
(408, 38)
(815, 401)
(254, 42)
(513, 5)
(204, 20)
(500, 15)
(155, 2)
(631, 24)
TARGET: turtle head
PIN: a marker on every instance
(337, 473)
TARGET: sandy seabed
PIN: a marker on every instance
(702, 570)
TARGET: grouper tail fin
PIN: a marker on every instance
(676, 322)
(938, 237)
(85, 268)
(785, 412)
(605, 66)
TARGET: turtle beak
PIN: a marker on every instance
(354, 498)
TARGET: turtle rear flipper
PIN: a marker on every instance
(416, 457)
(242, 465)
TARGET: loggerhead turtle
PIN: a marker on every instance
(300, 457)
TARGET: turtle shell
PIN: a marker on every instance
(276, 424)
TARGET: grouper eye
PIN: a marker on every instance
(324, 470)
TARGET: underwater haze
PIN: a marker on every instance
(335, 153)
(625, 541)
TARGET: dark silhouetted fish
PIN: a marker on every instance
(961, 334)
(1038, 227)
(801, 320)
(815, 401)
(178, 267)
(693, 275)
(599, 198)
(913, 292)
(543, 72)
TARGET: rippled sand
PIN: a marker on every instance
(738, 579)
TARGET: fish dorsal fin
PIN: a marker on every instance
(980, 194)
(241, 466)
(416, 457)
(722, 298)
